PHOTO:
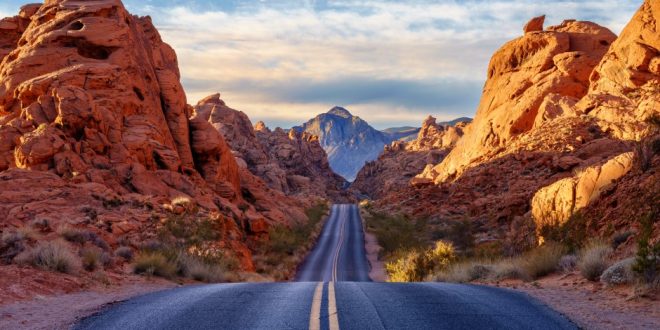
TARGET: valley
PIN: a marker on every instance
(120, 197)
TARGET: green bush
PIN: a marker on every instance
(190, 230)
(647, 261)
(593, 260)
(51, 255)
(396, 233)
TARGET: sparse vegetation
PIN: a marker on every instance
(73, 235)
(51, 255)
(416, 265)
(124, 252)
(593, 260)
(396, 234)
(647, 261)
(154, 264)
(531, 265)
(288, 246)
(94, 258)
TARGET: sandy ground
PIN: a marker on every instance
(377, 272)
(592, 305)
(35, 299)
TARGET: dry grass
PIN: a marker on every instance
(287, 247)
(51, 255)
(94, 258)
(594, 260)
(154, 264)
(416, 265)
(535, 263)
(124, 252)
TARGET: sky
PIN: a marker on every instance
(391, 62)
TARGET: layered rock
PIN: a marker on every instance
(288, 161)
(401, 161)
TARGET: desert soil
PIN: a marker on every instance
(592, 305)
(34, 299)
(377, 272)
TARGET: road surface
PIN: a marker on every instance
(333, 292)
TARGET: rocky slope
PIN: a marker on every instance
(96, 134)
(563, 117)
(401, 161)
(287, 161)
(348, 140)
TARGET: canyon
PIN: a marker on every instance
(103, 158)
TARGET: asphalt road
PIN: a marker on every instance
(334, 292)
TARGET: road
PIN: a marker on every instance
(333, 292)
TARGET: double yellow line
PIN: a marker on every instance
(315, 315)
(333, 317)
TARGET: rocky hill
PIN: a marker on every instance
(288, 161)
(401, 161)
(96, 137)
(568, 119)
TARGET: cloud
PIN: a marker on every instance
(391, 62)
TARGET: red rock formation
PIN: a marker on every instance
(401, 162)
(95, 132)
(290, 162)
(556, 102)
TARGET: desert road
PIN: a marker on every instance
(333, 292)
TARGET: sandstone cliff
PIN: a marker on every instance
(96, 133)
(287, 161)
(401, 161)
(561, 111)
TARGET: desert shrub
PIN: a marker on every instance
(93, 258)
(568, 263)
(51, 255)
(42, 224)
(125, 253)
(619, 273)
(188, 204)
(195, 268)
(647, 261)
(465, 272)
(396, 233)
(74, 235)
(287, 246)
(416, 265)
(593, 260)
(191, 231)
(154, 263)
(11, 245)
(509, 269)
(542, 260)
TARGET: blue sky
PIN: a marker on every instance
(390, 62)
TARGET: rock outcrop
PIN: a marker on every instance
(401, 161)
(287, 161)
(96, 132)
(561, 111)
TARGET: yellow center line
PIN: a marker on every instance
(315, 314)
(338, 248)
(332, 308)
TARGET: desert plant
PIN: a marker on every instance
(568, 263)
(647, 261)
(73, 235)
(508, 269)
(396, 233)
(619, 273)
(542, 261)
(593, 260)
(191, 231)
(416, 265)
(124, 252)
(11, 245)
(51, 255)
(465, 272)
(195, 268)
(154, 263)
(93, 258)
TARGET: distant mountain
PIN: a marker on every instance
(404, 133)
(348, 140)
